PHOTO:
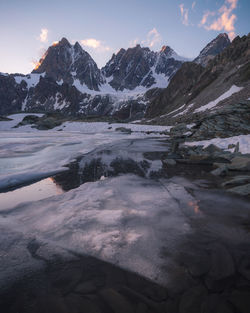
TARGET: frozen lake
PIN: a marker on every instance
(138, 218)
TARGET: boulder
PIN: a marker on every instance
(168, 162)
(124, 130)
(240, 163)
(220, 171)
(178, 130)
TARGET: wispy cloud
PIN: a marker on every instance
(43, 37)
(153, 37)
(224, 20)
(95, 44)
(184, 15)
(193, 5)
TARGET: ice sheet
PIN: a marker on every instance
(27, 154)
(125, 220)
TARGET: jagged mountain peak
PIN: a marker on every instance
(77, 46)
(213, 48)
(64, 42)
(166, 50)
(141, 67)
(70, 64)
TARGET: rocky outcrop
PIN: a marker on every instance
(231, 120)
(214, 47)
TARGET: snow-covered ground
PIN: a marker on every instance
(28, 154)
(244, 142)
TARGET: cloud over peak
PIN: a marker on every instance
(43, 37)
(152, 40)
(94, 44)
(224, 20)
(153, 37)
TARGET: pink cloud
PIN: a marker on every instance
(225, 19)
(184, 15)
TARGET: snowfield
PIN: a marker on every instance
(244, 143)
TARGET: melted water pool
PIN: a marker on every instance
(37, 191)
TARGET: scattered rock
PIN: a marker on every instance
(48, 123)
(237, 147)
(231, 146)
(178, 130)
(5, 119)
(168, 162)
(212, 149)
(220, 171)
(28, 120)
(124, 130)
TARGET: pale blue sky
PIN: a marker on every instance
(112, 25)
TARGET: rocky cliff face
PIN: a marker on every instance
(224, 82)
(141, 67)
(12, 95)
(214, 47)
(67, 63)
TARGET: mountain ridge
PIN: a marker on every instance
(68, 80)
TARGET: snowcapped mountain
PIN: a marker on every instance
(67, 79)
(142, 67)
(214, 47)
(67, 63)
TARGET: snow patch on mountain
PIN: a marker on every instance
(186, 110)
(212, 104)
(31, 80)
